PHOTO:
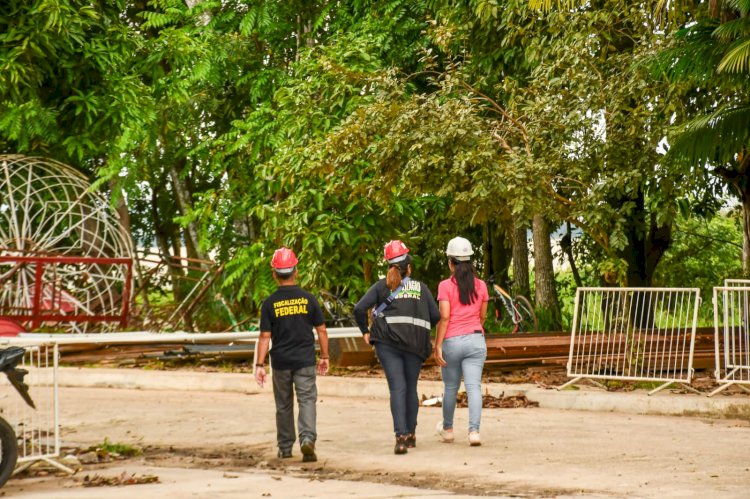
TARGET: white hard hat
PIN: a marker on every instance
(460, 249)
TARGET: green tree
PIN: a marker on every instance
(277, 188)
(705, 252)
(597, 123)
(67, 89)
(713, 129)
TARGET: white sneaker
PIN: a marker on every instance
(474, 439)
(446, 435)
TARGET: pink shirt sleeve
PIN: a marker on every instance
(444, 290)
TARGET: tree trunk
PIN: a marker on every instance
(164, 239)
(521, 260)
(126, 232)
(123, 213)
(544, 275)
(498, 254)
(183, 202)
(647, 242)
(566, 243)
(745, 199)
(738, 177)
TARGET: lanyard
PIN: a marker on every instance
(379, 310)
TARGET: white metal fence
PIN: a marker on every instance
(634, 334)
(732, 334)
(736, 282)
(37, 429)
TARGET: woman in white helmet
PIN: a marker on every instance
(460, 348)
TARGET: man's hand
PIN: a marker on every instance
(366, 337)
(260, 375)
(323, 367)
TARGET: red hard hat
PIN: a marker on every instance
(393, 250)
(283, 260)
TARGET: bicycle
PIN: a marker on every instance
(519, 311)
(338, 310)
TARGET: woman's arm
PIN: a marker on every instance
(442, 327)
(360, 311)
(369, 300)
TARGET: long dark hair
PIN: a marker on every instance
(464, 274)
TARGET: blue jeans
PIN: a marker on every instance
(285, 384)
(402, 372)
(465, 356)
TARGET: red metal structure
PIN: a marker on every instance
(41, 290)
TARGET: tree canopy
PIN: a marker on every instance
(229, 128)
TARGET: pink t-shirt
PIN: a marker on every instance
(464, 319)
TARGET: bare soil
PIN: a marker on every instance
(192, 439)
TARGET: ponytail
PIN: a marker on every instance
(397, 272)
(464, 274)
(393, 278)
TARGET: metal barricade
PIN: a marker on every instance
(732, 335)
(735, 283)
(38, 430)
(634, 334)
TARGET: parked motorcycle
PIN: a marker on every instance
(9, 360)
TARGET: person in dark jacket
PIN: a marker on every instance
(404, 312)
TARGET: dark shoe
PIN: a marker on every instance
(308, 452)
(411, 440)
(400, 445)
(284, 453)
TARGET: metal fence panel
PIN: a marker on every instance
(633, 334)
(732, 334)
(38, 430)
(734, 283)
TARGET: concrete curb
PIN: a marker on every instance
(582, 399)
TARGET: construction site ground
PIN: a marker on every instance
(204, 434)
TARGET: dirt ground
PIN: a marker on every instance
(219, 444)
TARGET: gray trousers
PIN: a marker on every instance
(285, 383)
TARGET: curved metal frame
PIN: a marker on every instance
(48, 210)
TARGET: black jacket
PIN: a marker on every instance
(406, 322)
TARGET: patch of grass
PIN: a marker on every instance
(647, 385)
(118, 448)
(154, 365)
